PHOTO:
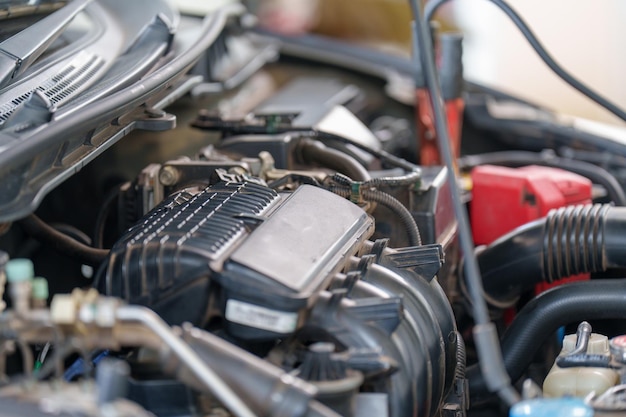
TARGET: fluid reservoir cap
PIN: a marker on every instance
(40, 289)
(552, 407)
(618, 348)
(20, 270)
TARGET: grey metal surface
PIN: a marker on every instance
(305, 238)
(321, 96)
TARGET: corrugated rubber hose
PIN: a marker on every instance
(569, 241)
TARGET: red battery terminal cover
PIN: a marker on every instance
(506, 198)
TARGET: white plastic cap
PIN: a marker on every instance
(20, 270)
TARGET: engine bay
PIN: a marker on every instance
(200, 217)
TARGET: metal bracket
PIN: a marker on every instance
(156, 121)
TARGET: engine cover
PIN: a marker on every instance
(258, 256)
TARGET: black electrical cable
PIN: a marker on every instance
(433, 5)
(103, 214)
(596, 174)
(485, 334)
(36, 228)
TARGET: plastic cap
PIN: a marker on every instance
(618, 348)
(19, 270)
(552, 407)
(40, 288)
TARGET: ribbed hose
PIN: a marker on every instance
(392, 204)
(461, 357)
(569, 241)
(573, 241)
(541, 317)
(407, 220)
(399, 181)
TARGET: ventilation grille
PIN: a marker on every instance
(60, 87)
(174, 244)
(210, 219)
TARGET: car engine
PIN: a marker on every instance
(202, 217)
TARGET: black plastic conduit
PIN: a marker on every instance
(541, 317)
(569, 241)
(346, 188)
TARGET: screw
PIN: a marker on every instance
(169, 175)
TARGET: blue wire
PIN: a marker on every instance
(78, 367)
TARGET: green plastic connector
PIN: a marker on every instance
(19, 270)
(355, 192)
(40, 288)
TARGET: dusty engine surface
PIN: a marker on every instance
(203, 218)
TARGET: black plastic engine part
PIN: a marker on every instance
(264, 259)
(569, 241)
(431, 206)
(281, 147)
(164, 397)
(423, 344)
(336, 385)
(165, 257)
(541, 317)
(259, 256)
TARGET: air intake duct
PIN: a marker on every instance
(569, 241)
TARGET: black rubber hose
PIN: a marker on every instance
(542, 316)
(316, 152)
(569, 241)
(384, 199)
(593, 172)
(101, 220)
(37, 229)
(239, 128)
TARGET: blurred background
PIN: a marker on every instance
(588, 38)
